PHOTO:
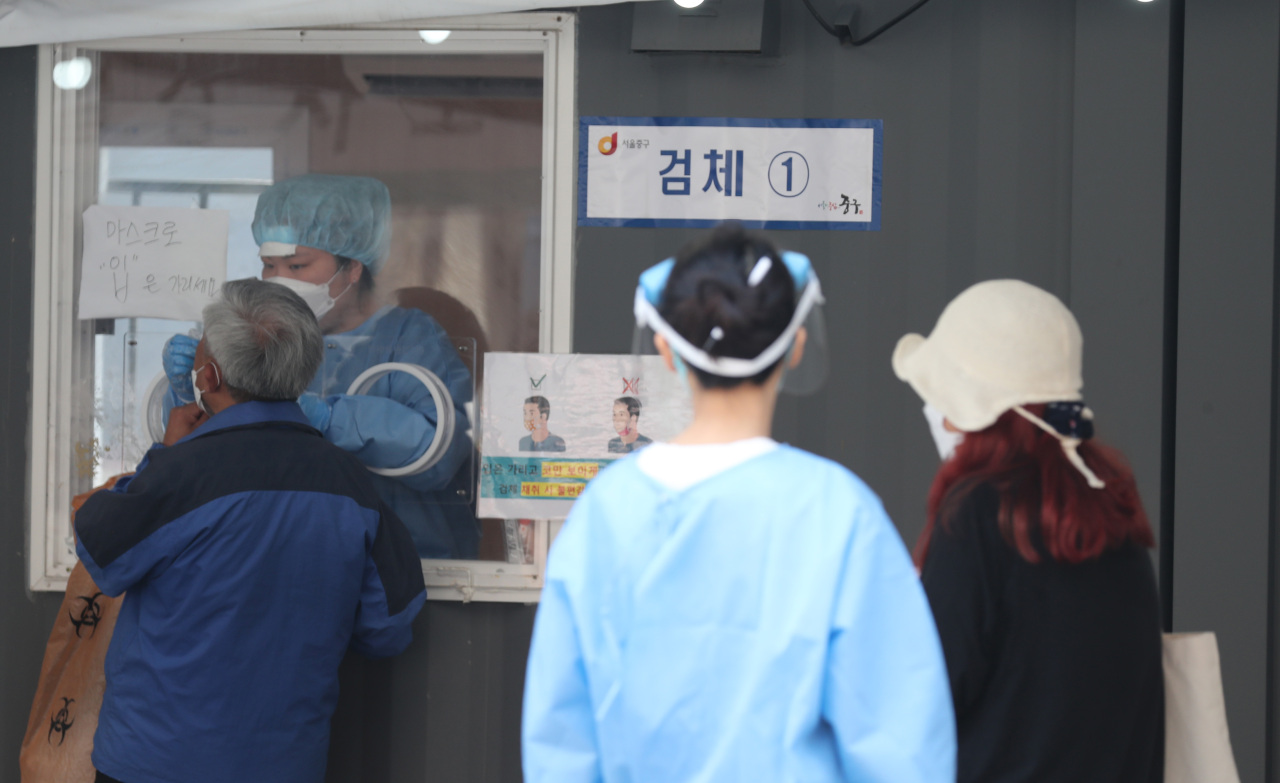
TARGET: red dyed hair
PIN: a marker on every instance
(1038, 486)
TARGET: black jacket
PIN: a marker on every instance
(1056, 669)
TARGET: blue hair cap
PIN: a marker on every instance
(345, 216)
(653, 281)
(799, 267)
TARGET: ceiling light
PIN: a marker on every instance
(688, 3)
(434, 37)
(72, 74)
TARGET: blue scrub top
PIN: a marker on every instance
(765, 624)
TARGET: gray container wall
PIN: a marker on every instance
(996, 159)
(25, 620)
(1225, 513)
(1022, 138)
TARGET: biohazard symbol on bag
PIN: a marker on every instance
(61, 721)
(90, 615)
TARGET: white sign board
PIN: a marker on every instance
(152, 262)
(551, 422)
(693, 172)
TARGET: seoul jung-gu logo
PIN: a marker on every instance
(608, 144)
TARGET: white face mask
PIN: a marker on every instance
(316, 295)
(946, 440)
(196, 389)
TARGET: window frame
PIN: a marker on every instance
(67, 120)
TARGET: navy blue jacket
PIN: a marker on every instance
(254, 554)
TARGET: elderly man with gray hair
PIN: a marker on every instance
(255, 554)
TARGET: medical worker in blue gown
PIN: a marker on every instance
(326, 237)
(723, 607)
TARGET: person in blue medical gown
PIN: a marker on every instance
(326, 237)
(723, 607)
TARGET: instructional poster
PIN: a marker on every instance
(552, 422)
(155, 262)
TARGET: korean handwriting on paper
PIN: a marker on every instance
(123, 234)
(724, 172)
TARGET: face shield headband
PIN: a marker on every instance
(649, 294)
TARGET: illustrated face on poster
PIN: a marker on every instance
(551, 422)
(536, 412)
(626, 422)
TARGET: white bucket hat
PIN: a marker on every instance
(998, 346)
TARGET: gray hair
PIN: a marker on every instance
(265, 339)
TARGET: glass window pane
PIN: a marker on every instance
(457, 139)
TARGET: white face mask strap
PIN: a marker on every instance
(1070, 447)
(197, 392)
(335, 277)
(344, 292)
(217, 376)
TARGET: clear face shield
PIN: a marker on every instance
(805, 368)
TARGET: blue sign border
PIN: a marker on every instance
(732, 122)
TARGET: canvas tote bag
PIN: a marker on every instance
(64, 714)
(1197, 746)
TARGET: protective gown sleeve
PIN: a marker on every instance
(392, 592)
(887, 697)
(558, 729)
(395, 422)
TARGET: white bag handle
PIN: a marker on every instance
(1197, 744)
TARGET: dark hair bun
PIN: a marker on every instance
(710, 303)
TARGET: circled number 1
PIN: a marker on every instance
(788, 174)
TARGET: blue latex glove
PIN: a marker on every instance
(178, 359)
(316, 410)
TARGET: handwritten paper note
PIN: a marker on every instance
(153, 262)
